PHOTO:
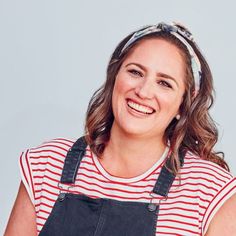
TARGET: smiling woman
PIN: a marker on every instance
(149, 94)
(145, 165)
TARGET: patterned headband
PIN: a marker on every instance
(181, 34)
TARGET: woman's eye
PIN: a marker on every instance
(135, 72)
(164, 83)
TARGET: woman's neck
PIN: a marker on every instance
(129, 155)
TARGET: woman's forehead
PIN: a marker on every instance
(157, 52)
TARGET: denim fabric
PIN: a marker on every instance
(72, 161)
(79, 215)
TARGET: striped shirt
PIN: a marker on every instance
(194, 198)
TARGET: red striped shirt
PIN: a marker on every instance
(191, 204)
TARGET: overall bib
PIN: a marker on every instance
(80, 215)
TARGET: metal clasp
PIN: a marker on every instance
(153, 206)
(63, 191)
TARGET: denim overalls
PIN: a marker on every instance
(80, 215)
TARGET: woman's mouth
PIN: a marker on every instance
(139, 107)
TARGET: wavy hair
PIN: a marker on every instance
(196, 131)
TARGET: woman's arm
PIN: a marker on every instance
(224, 221)
(22, 220)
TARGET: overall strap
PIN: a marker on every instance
(166, 177)
(72, 161)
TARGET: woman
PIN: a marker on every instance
(149, 167)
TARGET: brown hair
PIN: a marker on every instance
(195, 131)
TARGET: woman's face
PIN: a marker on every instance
(149, 89)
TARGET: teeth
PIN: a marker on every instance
(140, 108)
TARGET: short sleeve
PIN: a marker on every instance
(226, 191)
(40, 169)
(26, 174)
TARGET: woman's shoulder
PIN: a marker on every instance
(197, 164)
(55, 149)
(59, 143)
(209, 177)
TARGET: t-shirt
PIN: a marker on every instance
(194, 198)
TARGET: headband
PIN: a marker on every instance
(182, 35)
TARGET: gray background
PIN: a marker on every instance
(53, 55)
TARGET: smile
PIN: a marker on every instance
(140, 108)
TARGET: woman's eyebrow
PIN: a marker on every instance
(159, 74)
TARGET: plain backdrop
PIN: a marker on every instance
(53, 56)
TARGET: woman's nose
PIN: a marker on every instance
(145, 89)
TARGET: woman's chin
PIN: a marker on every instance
(133, 130)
